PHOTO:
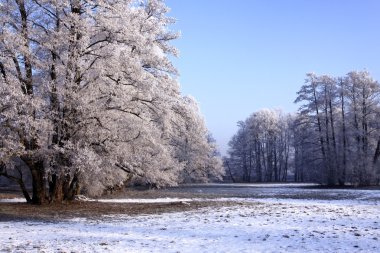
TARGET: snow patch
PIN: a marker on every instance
(146, 201)
(14, 200)
(249, 227)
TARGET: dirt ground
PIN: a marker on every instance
(95, 210)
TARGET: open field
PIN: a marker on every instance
(213, 218)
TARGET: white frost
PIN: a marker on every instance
(14, 200)
(146, 201)
(251, 226)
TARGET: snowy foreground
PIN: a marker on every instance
(252, 225)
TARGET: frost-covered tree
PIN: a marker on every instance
(339, 115)
(334, 139)
(194, 146)
(318, 95)
(87, 95)
(261, 149)
(363, 108)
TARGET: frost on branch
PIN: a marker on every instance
(90, 99)
(194, 145)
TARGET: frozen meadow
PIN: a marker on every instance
(250, 225)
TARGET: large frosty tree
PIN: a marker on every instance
(88, 96)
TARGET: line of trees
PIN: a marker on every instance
(334, 139)
(261, 149)
(90, 101)
(337, 129)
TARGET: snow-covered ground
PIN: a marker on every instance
(265, 225)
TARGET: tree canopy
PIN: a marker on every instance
(90, 99)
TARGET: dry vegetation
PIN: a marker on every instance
(95, 210)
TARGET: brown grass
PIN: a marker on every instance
(96, 210)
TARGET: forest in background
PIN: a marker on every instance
(333, 139)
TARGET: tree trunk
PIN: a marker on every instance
(335, 165)
(38, 182)
(321, 140)
(342, 180)
(230, 172)
(285, 175)
(330, 168)
(63, 187)
(56, 189)
(17, 180)
(258, 162)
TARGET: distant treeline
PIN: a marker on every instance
(333, 139)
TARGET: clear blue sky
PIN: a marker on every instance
(240, 56)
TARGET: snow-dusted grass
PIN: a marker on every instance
(265, 225)
(14, 200)
(147, 201)
(254, 185)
